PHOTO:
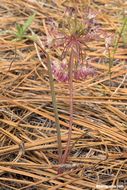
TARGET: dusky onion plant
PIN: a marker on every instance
(71, 37)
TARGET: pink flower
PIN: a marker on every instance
(74, 36)
(60, 71)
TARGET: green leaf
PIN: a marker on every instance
(19, 30)
(18, 26)
(28, 23)
(22, 29)
(124, 34)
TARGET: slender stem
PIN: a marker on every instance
(67, 149)
(53, 102)
(119, 36)
(111, 59)
(55, 108)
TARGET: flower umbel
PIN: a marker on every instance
(74, 35)
(60, 71)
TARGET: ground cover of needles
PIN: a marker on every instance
(28, 139)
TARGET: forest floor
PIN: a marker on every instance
(28, 138)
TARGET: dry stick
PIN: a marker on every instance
(10, 64)
(53, 102)
(12, 60)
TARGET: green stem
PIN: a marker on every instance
(111, 59)
(53, 102)
(119, 36)
(55, 108)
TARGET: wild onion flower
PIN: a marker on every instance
(70, 41)
(60, 71)
(74, 36)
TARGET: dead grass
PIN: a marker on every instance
(28, 146)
